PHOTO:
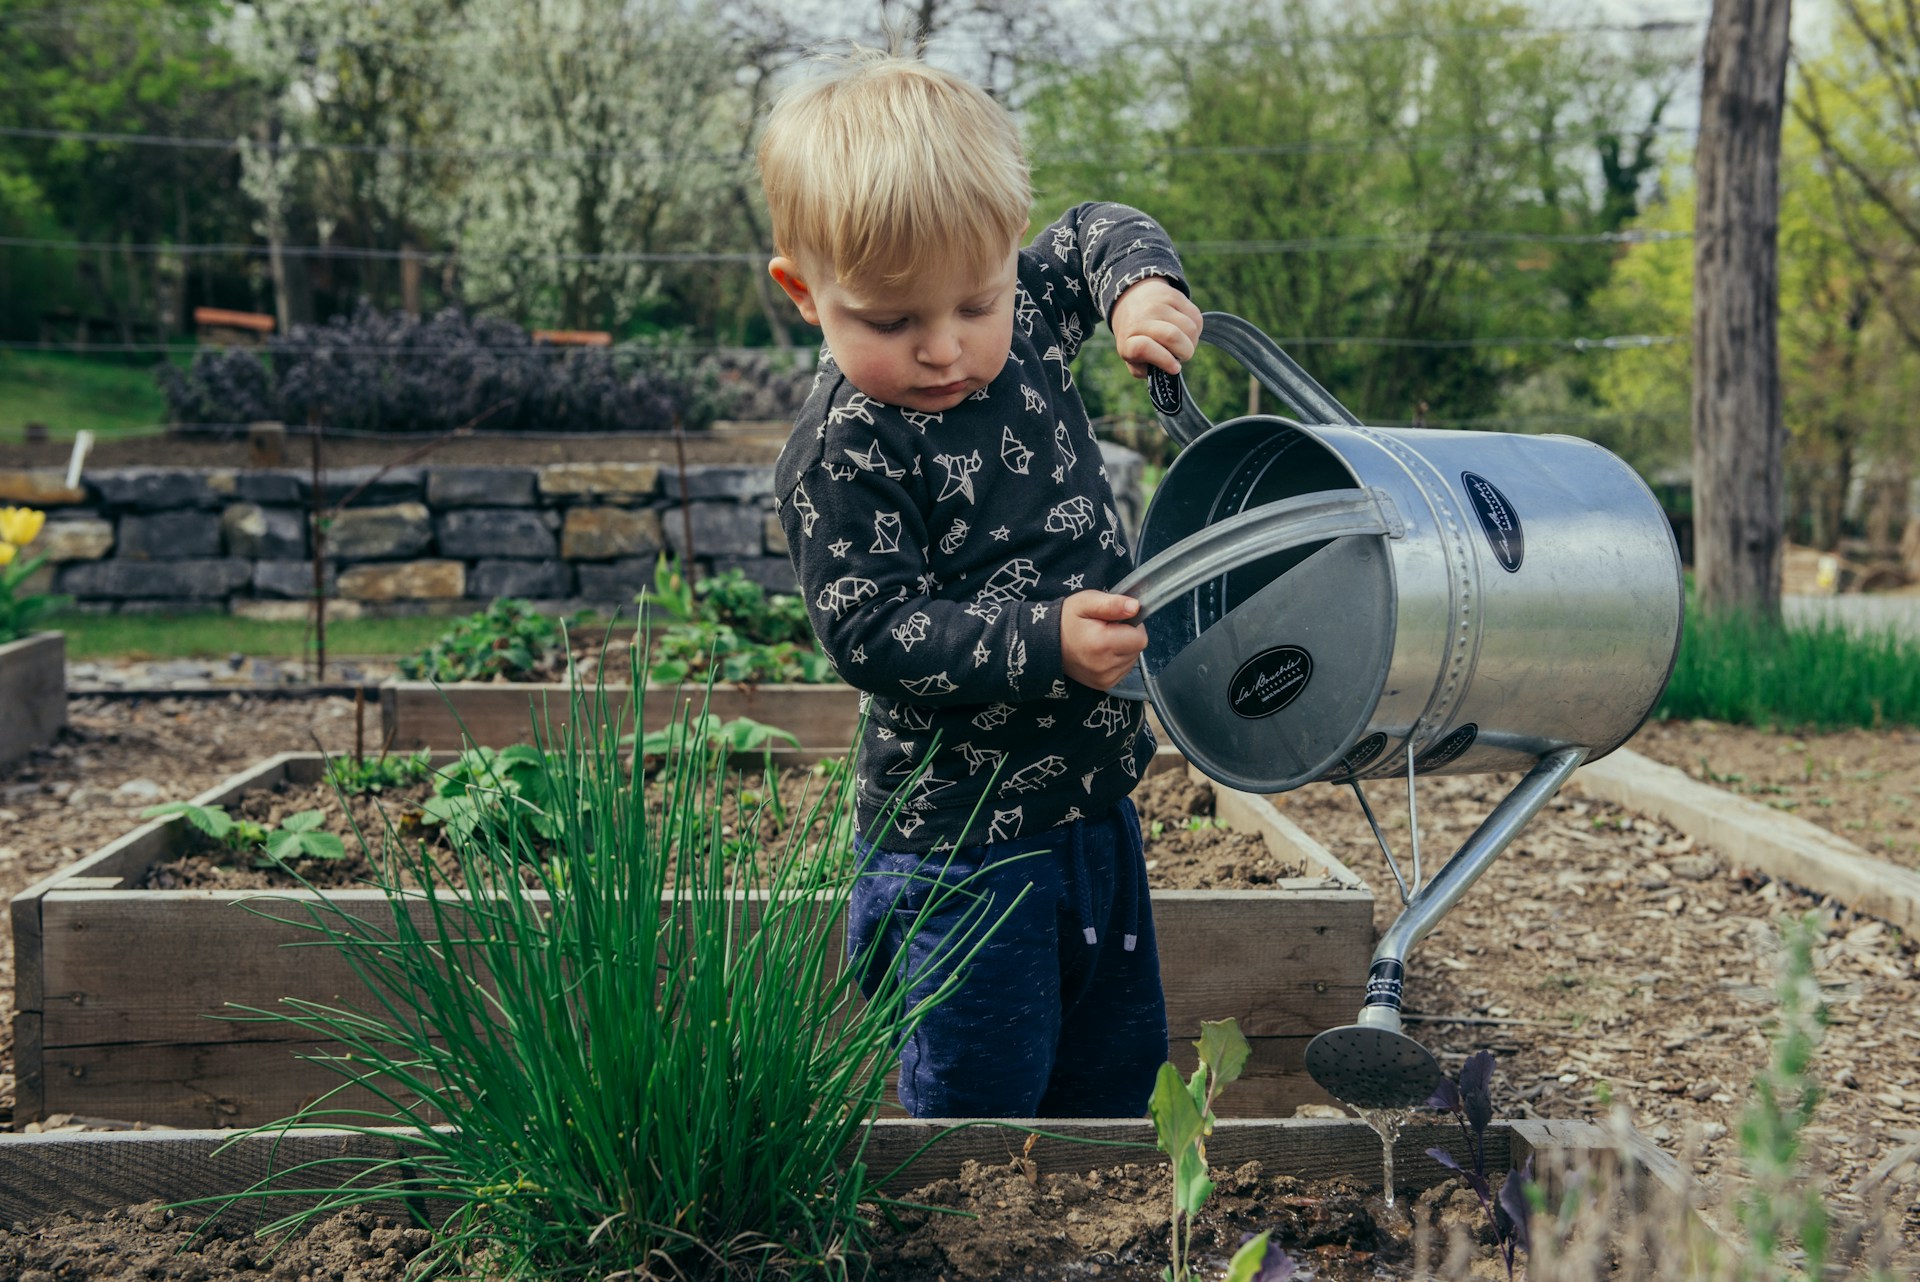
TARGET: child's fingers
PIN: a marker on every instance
(1113, 607)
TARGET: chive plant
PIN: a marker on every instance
(603, 1058)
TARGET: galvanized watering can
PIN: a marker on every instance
(1327, 601)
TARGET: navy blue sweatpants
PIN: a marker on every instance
(1059, 1013)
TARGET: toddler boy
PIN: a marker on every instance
(952, 529)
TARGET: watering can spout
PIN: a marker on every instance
(1371, 1063)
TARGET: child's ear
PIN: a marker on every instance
(786, 274)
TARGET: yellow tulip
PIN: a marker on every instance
(19, 525)
(7, 551)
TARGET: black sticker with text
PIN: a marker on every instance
(1163, 389)
(1358, 757)
(1498, 519)
(1269, 681)
(1448, 748)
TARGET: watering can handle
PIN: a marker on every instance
(1277, 372)
(1261, 531)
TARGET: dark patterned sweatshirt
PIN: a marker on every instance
(934, 551)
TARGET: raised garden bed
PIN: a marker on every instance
(33, 693)
(1059, 1208)
(118, 990)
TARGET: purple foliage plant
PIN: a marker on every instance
(1469, 1099)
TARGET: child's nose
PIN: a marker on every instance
(941, 347)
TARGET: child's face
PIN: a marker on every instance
(926, 345)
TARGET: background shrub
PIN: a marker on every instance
(392, 372)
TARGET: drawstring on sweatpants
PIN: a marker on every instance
(1126, 889)
(1077, 869)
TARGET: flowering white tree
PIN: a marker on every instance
(357, 140)
(616, 125)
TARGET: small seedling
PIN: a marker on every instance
(1182, 1112)
(300, 838)
(1470, 1100)
(234, 834)
(357, 775)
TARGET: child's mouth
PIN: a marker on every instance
(945, 389)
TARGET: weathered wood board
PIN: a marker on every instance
(419, 714)
(33, 693)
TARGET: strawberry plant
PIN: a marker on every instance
(299, 838)
(507, 788)
(214, 821)
(729, 628)
(507, 641)
(356, 776)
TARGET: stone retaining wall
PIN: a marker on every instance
(415, 539)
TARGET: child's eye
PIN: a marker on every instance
(887, 327)
(977, 312)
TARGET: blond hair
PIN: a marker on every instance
(889, 168)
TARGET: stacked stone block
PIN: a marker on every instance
(412, 539)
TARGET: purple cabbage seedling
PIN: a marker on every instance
(1470, 1100)
(1256, 1261)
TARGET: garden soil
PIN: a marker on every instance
(1605, 959)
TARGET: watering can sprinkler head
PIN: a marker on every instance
(1372, 1064)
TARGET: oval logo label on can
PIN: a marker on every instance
(1163, 389)
(1448, 748)
(1498, 519)
(1358, 758)
(1269, 681)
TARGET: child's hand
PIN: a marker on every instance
(1098, 641)
(1154, 326)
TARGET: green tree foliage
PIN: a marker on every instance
(126, 67)
(1856, 99)
(1404, 171)
(1846, 372)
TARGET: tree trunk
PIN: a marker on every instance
(1738, 436)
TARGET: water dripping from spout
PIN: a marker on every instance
(1386, 1123)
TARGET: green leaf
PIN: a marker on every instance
(1197, 1092)
(1223, 1048)
(322, 845)
(303, 821)
(212, 820)
(1176, 1121)
(1248, 1259)
(1191, 1186)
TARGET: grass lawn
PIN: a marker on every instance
(215, 636)
(68, 393)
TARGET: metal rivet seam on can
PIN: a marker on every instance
(1459, 664)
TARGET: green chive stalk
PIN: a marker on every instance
(603, 1058)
